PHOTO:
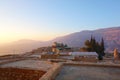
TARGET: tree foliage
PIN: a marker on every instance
(93, 46)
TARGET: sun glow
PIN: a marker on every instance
(10, 34)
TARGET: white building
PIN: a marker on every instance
(83, 54)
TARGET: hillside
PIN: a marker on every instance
(111, 37)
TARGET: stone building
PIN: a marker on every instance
(57, 48)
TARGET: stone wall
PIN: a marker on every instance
(51, 74)
(86, 59)
(49, 56)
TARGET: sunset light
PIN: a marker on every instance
(45, 19)
(59, 39)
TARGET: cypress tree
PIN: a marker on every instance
(102, 47)
(88, 45)
(93, 45)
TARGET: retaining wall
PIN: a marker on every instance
(51, 74)
(93, 64)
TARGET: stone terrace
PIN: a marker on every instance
(24, 69)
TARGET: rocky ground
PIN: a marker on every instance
(20, 74)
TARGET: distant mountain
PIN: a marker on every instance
(20, 46)
(111, 37)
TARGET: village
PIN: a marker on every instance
(58, 65)
(59, 39)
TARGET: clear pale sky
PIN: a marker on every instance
(47, 19)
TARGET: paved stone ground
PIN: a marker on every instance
(29, 64)
(88, 73)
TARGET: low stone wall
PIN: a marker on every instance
(51, 74)
(56, 60)
(20, 74)
(85, 59)
(92, 64)
(11, 60)
(49, 56)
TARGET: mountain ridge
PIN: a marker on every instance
(111, 37)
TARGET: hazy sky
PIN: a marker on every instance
(46, 19)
